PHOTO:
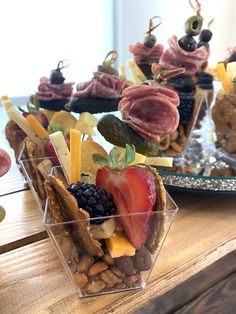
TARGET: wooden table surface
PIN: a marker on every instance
(33, 280)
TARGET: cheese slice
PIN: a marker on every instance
(62, 152)
(122, 71)
(152, 161)
(87, 117)
(45, 167)
(21, 121)
(137, 74)
(231, 70)
(159, 161)
(85, 128)
(104, 230)
(75, 155)
(37, 127)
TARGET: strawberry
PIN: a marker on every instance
(133, 190)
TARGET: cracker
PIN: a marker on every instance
(70, 209)
(158, 221)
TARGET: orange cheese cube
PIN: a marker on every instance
(118, 246)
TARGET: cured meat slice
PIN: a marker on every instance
(176, 57)
(103, 85)
(5, 162)
(143, 54)
(151, 110)
(137, 91)
(48, 91)
(97, 89)
(155, 114)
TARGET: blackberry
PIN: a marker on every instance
(205, 80)
(186, 108)
(188, 43)
(97, 202)
(182, 83)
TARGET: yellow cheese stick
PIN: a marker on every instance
(221, 72)
(37, 127)
(21, 121)
(75, 155)
(62, 152)
(137, 74)
(159, 161)
(7, 104)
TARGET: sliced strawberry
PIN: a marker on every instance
(134, 191)
(5, 162)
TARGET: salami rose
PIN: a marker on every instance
(151, 110)
(143, 54)
(102, 85)
(176, 57)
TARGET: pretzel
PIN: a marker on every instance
(164, 143)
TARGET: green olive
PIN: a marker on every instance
(107, 69)
(193, 25)
(150, 41)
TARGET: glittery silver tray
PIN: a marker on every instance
(192, 182)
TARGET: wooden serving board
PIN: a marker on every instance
(23, 223)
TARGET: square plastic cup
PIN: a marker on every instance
(190, 106)
(212, 143)
(93, 275)
(35, 171)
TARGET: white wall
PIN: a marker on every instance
(132, 20)
(36, 34)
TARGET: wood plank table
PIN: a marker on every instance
(195, 273)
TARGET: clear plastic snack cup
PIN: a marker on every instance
(99, 275)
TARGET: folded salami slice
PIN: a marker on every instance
(151, 110)
(176, 57)
(102, 85)
(144, 54)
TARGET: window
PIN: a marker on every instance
(36, 34)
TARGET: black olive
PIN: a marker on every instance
(205, 35)
(187, 43)
(203, 44)
(232, 57)
(56, 77)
